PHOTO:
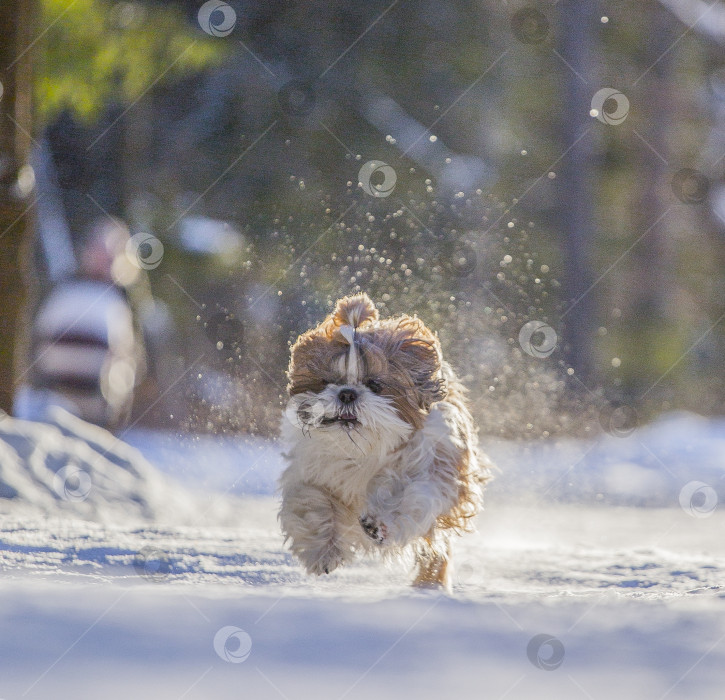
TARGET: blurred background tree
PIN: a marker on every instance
(236, 138)
(17, 28)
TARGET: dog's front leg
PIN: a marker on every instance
(404, 505)
(313, 520)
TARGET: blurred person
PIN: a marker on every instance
(87, 350)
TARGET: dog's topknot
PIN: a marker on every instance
(355, 311)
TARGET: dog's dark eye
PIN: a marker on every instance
(375, 386)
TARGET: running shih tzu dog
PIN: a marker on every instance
(381, 447)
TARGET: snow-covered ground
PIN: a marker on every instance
(598, 570)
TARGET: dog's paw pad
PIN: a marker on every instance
(373, 529)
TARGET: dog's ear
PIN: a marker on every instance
(420, 354)
(310, 360)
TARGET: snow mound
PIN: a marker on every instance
(678, 460)
(69, 467)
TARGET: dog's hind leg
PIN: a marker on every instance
(432, 559)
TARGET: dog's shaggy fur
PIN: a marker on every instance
(382, 449)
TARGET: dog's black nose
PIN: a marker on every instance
(347, 395)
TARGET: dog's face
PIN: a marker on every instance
(355, 375)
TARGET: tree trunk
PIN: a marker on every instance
(17, 32)
(654, 268)
(577, 47)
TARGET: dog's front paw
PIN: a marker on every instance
(374, 529)
(323, 563)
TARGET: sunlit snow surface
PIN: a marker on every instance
(585, 542)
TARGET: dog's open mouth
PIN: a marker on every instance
(347, 419)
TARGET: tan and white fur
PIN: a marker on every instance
(381, 446)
